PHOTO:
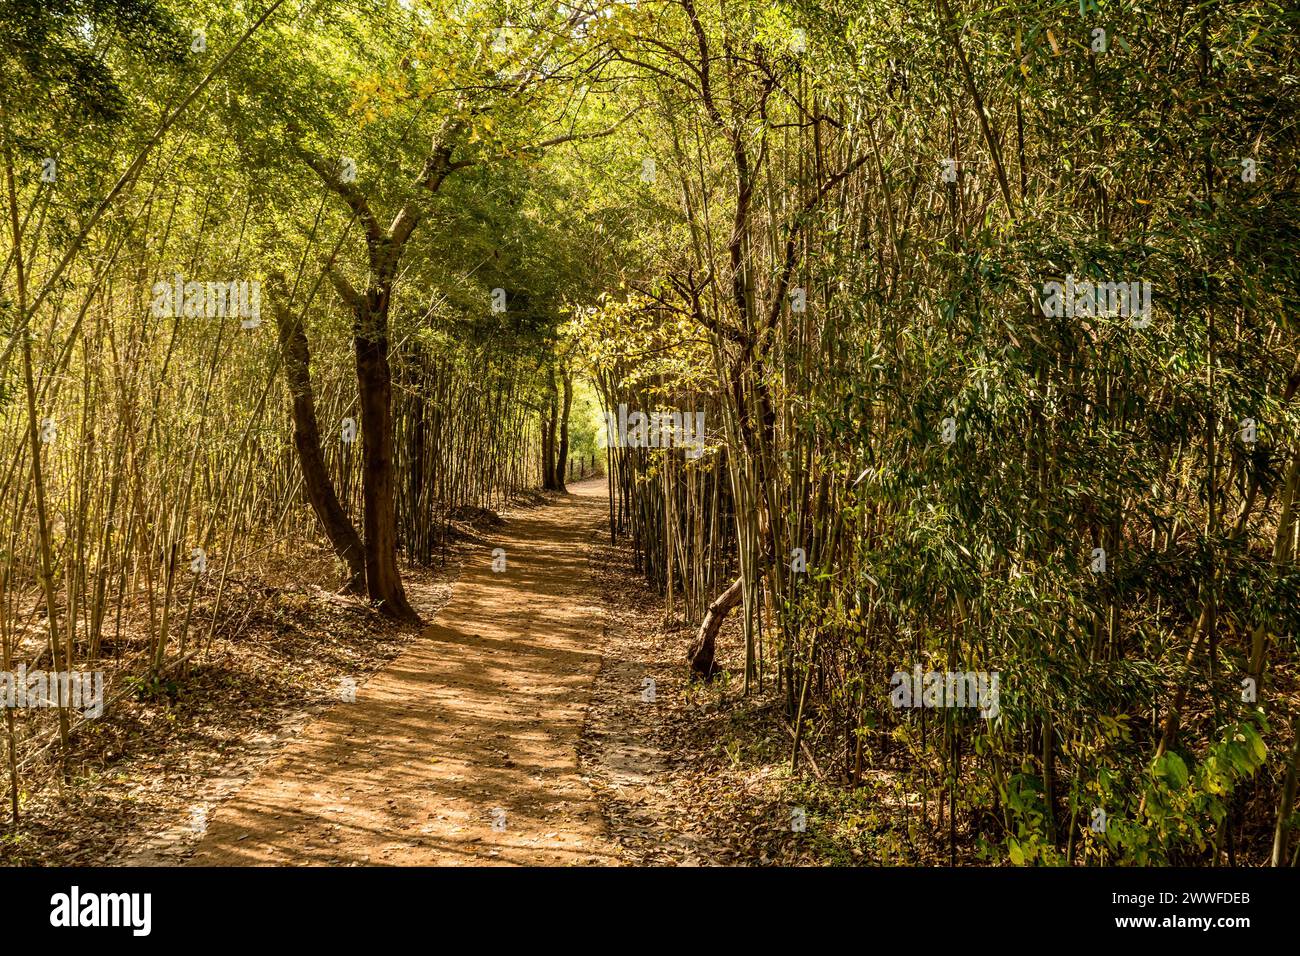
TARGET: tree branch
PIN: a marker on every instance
(348, 192)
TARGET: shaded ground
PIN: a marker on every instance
(691, 774)
(521, 727)
(143, 775)
(464, 749)
(701, 774)
(545, 718)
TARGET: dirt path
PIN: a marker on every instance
(463, 750)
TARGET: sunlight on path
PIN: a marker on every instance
(463, 750)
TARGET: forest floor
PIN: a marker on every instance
(143, 776)
(463, 749)
(542, 717)
(699, 774)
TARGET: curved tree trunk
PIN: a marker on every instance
(701, 651)
(306, 439)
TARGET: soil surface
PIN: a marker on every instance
(464, 749)
(544, 717)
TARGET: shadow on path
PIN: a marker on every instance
(463, 749)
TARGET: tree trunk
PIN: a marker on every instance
(701, 651)
(375, 389)
(562, 459)
(306, 439)
(1286, 804)
(548, 436)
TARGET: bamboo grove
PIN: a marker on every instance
(863, 243)
(915, 465)
(182, 452)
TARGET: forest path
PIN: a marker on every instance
(463, 750)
